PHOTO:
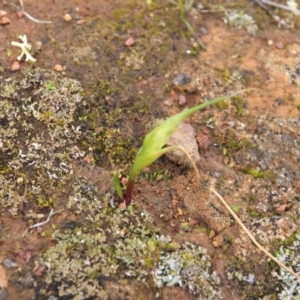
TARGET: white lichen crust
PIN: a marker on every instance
(189, 268)
(38, 138)
(290, 256)
(124, 248)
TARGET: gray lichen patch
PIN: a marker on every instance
(184, 267)
(83, 196)
(277, 152)
(132, 60)
(241, 20)
(38, 137)
(124, 248)
(289, 255)
(276, 227)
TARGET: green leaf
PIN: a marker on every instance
(117, 185)
(50, 86)
(155, 140)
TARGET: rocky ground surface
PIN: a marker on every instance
(75, 108)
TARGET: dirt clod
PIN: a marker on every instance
(15, 66)
(5, 21)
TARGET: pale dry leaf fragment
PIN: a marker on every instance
(25, 47)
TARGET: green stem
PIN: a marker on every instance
(193, 33)
(188, 25)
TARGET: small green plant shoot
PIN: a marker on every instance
(153, 146)
(184, 7)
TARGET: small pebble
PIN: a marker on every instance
(203, 30)
(193, 222)
(58, 68)
(9, 264)
(231, 124)
(168, 102)
(270, 42)
(67, 17)
(15, 66)
(226, 160)
(20, 14)
(281, 209)
(159, 177)
(79, 22)
(122, 206)
(182, 79)
(214, 174)
(279, 45)
(218, 241)
(240, 125)
(204, 129)
(39, 45)
(20, 179)
(87, 159)
(182, 100)
(195, 45)
(203, 141)
(129, 42)
(5, 21)
(124, 180)
(2, 13)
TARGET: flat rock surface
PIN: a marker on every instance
(102, 72)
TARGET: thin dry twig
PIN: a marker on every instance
(31, 17)
(281, 23)
(26, 13)
(281, 6)
(42, 223)
(189, 158)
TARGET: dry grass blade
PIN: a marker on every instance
(26, 13)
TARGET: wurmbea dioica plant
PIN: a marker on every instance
(153, 146)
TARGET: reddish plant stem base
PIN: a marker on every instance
(128, 192)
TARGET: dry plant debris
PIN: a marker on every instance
(25, 48)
